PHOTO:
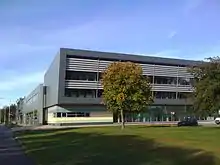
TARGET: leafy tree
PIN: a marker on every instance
(2, 115)
(10, 111)
(125, 88)
(20, 103)
(206, 95)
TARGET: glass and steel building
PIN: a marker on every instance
(71, 91)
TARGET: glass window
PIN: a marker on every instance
(165, 80)
(63, 114)
(165, 95)
(82, 93)
(75, 75)
(78, 114)
(185, 81)
(71, 114)
(183, 95)
(58, 114)
(87, 114)
(100, 91)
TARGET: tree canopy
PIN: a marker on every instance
(207, 86)
(125, 88)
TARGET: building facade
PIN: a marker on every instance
(33, 106)
(71, 92)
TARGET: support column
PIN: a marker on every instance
(153, 81)
(177, 81)
(167, 118)
(97, 79)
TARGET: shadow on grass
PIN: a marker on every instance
(75, 148)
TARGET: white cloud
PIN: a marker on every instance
(18, 86)
(168, 54)
(165, 54)
(20, 81)
(21, 49)
(172, 34)
(191, 5)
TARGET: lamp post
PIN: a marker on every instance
(172, 113)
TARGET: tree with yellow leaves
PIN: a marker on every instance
(126, 89)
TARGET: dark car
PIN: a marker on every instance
(188, 122)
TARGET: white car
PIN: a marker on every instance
(217, 120)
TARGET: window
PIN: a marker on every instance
(80, 114)
(165, 95)
(183, 95)
(87, 114)
(58, 114)
(182, 81)
(81, 93)
(63, 114)
(100, 91)
(32, 98)
(45, 90)
(75, 75)
(165, 80)
(71, 114)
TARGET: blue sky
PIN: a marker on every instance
(32, 32)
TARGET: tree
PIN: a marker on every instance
(10, 112)
(125, 89)
(206, 95)
(20, 103)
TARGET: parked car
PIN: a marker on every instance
(188, 122)
(217, 120)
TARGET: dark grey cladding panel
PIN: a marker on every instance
(97, 101)
(129, 57)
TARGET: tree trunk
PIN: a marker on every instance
(118, 115)
(122, 120)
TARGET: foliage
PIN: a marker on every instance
(125, 88)
(5, 113)
(206, 96)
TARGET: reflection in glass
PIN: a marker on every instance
(165, 95)
(165, 80)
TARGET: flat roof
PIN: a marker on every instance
(128, 57)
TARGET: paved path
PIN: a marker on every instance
(10, 151)
(46, 127)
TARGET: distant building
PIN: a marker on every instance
(71, 92)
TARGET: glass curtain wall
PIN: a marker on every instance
(159, 113)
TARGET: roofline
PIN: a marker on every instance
(33, 91)
(129, 57)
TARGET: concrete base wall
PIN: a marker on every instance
(96, 116)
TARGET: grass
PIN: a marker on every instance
(136, 145)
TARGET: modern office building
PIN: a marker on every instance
(71, 92)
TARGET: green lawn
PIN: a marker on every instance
(136, 145)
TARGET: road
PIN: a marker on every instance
(11, 152)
